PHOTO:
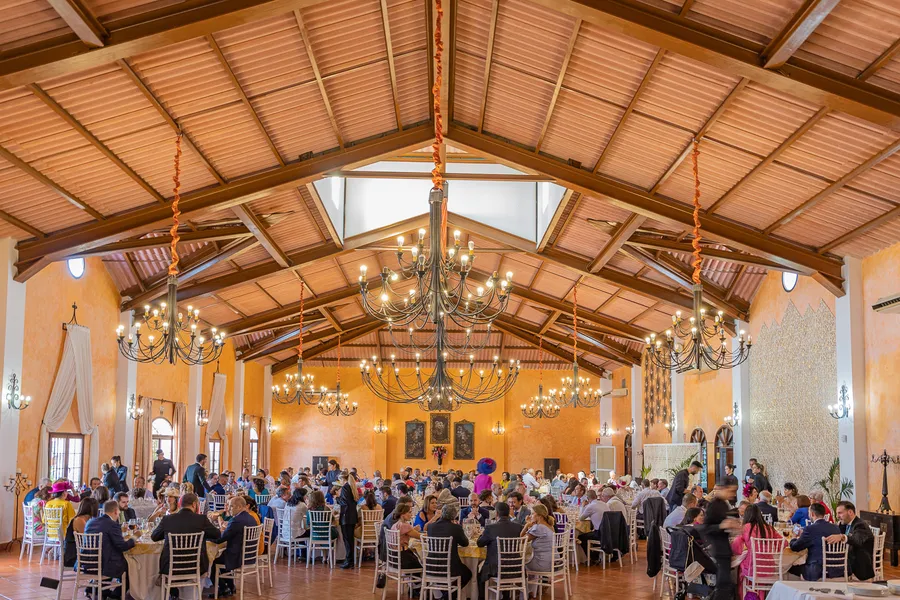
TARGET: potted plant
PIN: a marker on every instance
(835, 488)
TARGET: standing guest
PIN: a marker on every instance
(42, 483)
(347, 500)
(121, 471)
(765, 506)
(484, 481)
(110, 478)
(801, 515)
(163, 470)
(233, 537)
(760, 481)
(186, 520)
(195, 474)
(279, 500)
(811, 541)
(748, 476)
(859, 538)
(334, 472)
(681, 483)
(730, 479)
(388, 502)
(113, 545)
(517, 508)
(754, 526)
(592, 511)
(125, 513)
(503, 528)
(447, 526)
(715, 533)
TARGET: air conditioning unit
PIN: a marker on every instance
(619, 392)
(888, 304)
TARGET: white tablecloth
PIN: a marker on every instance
(143, 570)
(800, 590)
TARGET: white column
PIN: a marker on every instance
(606, 409)
(740, 394)
(636, 388)
(126, 388)
(851, 371)
(194, 401)
(237, 434)
(678, 407)
(267, 411)
(12, 330)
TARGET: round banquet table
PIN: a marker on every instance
(143, 569)
(803, 590)
(470, 555)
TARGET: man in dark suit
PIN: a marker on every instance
(811, 540)
(348, 519)
(110, 478)
(162, 468)
(121, 471)
(681, 484)
(186, 520)
(765, 506)
(481, 513)
(457, 490)
(448, 527)
(388, 502)
(503, 528)
(233, 538)
(125, 513)
(859, 537)
(113, 544)
(196, 475)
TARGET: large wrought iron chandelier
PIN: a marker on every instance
(336, 403)
(700, 341)
(541, 406)
(576, 391)
(299, 388)
(171, 335)
(440, 293)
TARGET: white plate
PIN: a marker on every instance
(868, 589)
(894, 586)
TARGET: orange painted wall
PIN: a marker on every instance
(771, 300)
(707, 400)
(881, 277)
(48, 299)
(165, 381)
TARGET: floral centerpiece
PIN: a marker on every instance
(439, 452)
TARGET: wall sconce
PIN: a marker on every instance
(271, 428)
(841, 408)
(380, 427)
(202, 417)
(245, 421)
(606, 430)
(13, 399)
(134, 412)
(671, 425)
(630, 428)
(734, 419)
(498, 429)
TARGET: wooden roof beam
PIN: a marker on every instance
(534, 341)
(559, 82)
(567, 199)
(616, 241)
(289, 340)
(488, 59)
(346, 338)
(81, 21)
(258, 228)
(565, 340)
(882, 60)
(318, 75)
(389, 45)
(211, 234)
(798, 29)
(851, 235)
(289, 310)
(601, 348)
(654, 243)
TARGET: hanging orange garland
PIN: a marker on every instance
(695, 156)
(173, 250)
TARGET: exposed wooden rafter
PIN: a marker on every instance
(616, 241)
(533, 340)
(882, 60)
(851, 235)
(318, 75)
(798, 29)
(565, 340)
(288, 340)
(346, 338)
(210, 234)
(488, 60)
(559, 82)
(81, 21)
(289, 310)
(389, 45)
(258, 228)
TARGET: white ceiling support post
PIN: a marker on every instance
(678, 407)
(636, 387)
(267, 412)
(126, 388)
(606, 410)
(237, 434)
(194, 402)
(12, 332)
(851, 372)
(740, 395)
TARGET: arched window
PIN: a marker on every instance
(699, 437)
(254, 450)
(724, 450)
(162, 436)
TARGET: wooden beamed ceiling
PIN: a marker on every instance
(638, 260)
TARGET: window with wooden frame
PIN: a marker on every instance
(66, 457)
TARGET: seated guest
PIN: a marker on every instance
(753, 526)
(539, 530)
(592, 511)
(369, 503)
(663, 488)
(388, 502)
(401, 521)
(297, 505)
(279, 499)
(697, 492)
(478, 512)
(217, 483)
(169, 506)
(811, 541)
(552, 506)
(801, 515)
(58, 494)
(457, 490)
(101, 495)
(186, 520)
(125, 513)
(788, 500)
(113, 545)
(677, 516)
(819, 496)
(111, 479)
(87, 510)
(692, 516)
(517, 508)
(447, 526)
(609, 496)
(742, 508)
(647, 490)
(233, 538)
(752, 495)
(44, 482)
(428, 512)
(503, 528)
(257, 487)
(766, 508)
(122, 471)
(859, 538)
(558, 485)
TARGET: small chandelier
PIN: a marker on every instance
(134, 412)
(734, 419)
(541, 406)
(13, 399)
(498, 429)
(202, 417)
(245, 421)
(671, 424)
(380, 427)
(576, 392)
(299, 388)
(700, 341)
(336, 404)
(841, 409)
(271, 428)
(606, 430)
(172, 335)
(629, 429)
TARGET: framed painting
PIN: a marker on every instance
(440, 428)
(414, 444)
(464, 440)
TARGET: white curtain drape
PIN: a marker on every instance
(73, 377)
(179, 420)
(143, 439)
(217, 413)
(263, 450)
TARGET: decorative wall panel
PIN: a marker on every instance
(793, 375)
(657, 394)
(661, 457)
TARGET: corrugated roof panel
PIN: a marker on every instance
(758, 21)
(835, 145)
(467, 88)
(882, 180)
(625, 263)
(32, 202)
(362, 101)
(684, 92)
(252, 256)
(296, 230)
(873, 241)
(888, 76)
(580, 128)
(345, 34)
(412, 86)
(853, 35)
(547, 33)
(522, 271)
(296, 120)
(553, 281)
(322, 277)
(408, 25)
(720, 168)
(29, 22)
(748, 284)
(625, 308)
(834, 216)
(119, 271)
(580, 237)
(654, 321)
(769, 195)
(251, 303)
(516, 105)
(643, 151)
(313, 211)
(107, 10)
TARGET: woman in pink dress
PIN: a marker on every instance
(754, 526)
(484, 481)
